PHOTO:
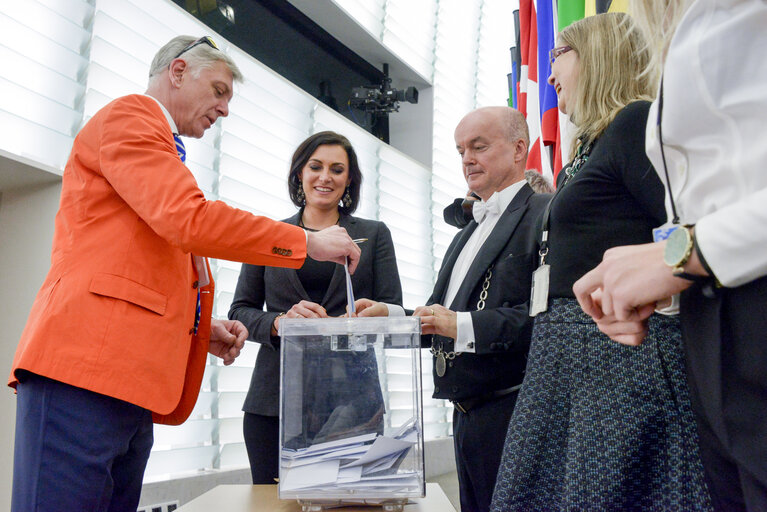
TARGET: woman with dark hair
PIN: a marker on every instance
(324, 183)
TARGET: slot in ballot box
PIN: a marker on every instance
(351, 427)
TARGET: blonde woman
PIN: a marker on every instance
(705, 137)
(599, 425)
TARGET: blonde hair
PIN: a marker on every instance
(658, 19)
(612, 58)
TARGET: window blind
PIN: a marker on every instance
(43, 47)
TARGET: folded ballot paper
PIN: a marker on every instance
(365, 464)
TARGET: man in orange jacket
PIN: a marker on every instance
(119, 332)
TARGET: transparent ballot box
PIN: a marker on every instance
(351, 428)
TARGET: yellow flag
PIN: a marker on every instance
(592, 7)
(619, 6)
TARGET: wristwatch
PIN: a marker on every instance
(679, 246)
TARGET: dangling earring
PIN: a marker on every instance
(300, 194)
(347, 199)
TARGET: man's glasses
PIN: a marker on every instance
(203, 40)
(556, 52)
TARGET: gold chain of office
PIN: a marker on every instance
(442, 357)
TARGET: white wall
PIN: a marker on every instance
(26, 231)
(411, 129)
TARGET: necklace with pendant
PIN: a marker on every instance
(442, 357)
(582, 156)
(441, 363)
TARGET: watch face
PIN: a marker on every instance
(677, 246)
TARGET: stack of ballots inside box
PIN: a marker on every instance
(368, 462)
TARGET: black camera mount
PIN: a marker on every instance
(380, 100)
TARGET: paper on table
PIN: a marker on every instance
(408, 431)
(382, 447)
(348, 475)
(349, 289)
(381, 465)
(320, 473)
(343, 453)
(318, 448)
(392, 482)
(369, 467)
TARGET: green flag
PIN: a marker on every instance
(569, 11)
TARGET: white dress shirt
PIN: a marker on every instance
(714, 134)
(165, 112)
(465, 339)
(199, 261)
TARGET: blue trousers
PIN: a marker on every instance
(76, 449)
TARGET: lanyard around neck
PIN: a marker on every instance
(675, 220)
(570, 171)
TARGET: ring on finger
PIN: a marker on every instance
(431, 310)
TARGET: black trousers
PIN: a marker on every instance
(726, 348)
(478, 437)
(262, 442)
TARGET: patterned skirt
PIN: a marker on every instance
(599, 425)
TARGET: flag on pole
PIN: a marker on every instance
(549, 110)
(537, 24)
(537, 100)
(574, 10)
(516, 62)
(528, 82)
(569, 11)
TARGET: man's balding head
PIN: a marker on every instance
(493, 143)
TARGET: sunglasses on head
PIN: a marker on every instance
(203, 40)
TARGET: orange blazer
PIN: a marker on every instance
(116, 311)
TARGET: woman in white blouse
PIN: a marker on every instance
(707, 139)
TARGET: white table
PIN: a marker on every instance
(263, 498)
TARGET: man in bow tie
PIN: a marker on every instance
(119, 333)
(476, 321)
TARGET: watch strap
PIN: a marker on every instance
(705, 264)
(692, 277)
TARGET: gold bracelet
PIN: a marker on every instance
(274, 327)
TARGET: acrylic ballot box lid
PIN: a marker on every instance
(351, 427)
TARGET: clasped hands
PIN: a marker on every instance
(622, 292)
(304, 309)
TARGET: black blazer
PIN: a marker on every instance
(503, 328)
(376, 277)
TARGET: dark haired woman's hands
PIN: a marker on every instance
(304, 309)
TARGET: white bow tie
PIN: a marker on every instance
(482, 209)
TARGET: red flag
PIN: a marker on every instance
(537, 99)
(528, 97)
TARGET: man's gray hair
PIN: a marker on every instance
(537, 182)
(200, 57)
(516, 125)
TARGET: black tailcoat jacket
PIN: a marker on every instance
(502, 329)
